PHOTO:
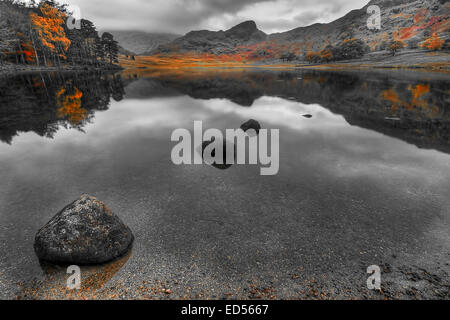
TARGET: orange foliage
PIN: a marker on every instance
(392, 96)
(27, 51)
(400, 15)
(433, 43)
(50, 29)
(187, 60)
(395, 46)
(440, 24)
(416, 101)
(421, 15)
(326, 55)
(406, 33)
(312, 56)
(417, 93)
(70, 106)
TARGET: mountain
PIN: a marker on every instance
(217, 42)
(142, 43)
(126, 52)
(404, 20)
(410, 21)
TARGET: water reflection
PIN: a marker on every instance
(393, 103)
(341, 189)
(209, 156)
(44, 102)
(252, 127)
(407, 105)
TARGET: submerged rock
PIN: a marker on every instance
(251, 124)
(225, 145)
(84, 232)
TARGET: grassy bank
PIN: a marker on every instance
(408, 59)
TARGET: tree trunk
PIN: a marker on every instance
(34, 46)
(21, 52)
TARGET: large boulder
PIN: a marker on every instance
(84, 232)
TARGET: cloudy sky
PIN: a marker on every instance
(181, 16)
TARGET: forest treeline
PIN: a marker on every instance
(37, 33)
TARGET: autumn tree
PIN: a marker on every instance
(49, 27)
(395, 46)
(326, 54)
(36, 33)
(346, 50)
(433, 43)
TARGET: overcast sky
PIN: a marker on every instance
(181, 16)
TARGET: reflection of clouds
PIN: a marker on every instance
(326, 142)
(329, 173)
(277, 111)
(356, 152)
(150, 114)
(123, 117)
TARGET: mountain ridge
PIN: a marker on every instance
(218, 42)
(409, 21)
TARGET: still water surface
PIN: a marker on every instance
(365, 179)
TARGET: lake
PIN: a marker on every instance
(365, 180)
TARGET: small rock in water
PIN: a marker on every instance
(84, 232)
(251, 124)
(224, 165)
(309, 116)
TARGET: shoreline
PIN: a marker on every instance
(147, 63)
(408, 60)
(12, 70)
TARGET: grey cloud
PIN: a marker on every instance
(227, 6)
(182, 16)
(306, 18)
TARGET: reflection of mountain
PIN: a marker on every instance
(392, 103)
(41, 102)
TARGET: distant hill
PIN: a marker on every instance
(409, 21)
(142, 43)
(126, 52)
(217, 42)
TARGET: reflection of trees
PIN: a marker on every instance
(44, 102)
(70, 106)
(372, 101)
